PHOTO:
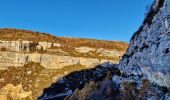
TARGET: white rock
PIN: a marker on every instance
(84, 49)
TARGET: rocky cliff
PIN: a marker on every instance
(57, 53)
(18, 53)
(36, 60)
(149, 51)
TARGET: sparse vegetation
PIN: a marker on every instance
(26, 75)
(128, 91)
(83, 94)
(16, 34)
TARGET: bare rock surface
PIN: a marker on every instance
(149, 51)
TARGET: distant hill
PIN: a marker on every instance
(16, 34)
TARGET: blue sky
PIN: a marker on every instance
(100, 19)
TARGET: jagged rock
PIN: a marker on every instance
(149, 50)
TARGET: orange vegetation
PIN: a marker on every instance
(16, 34)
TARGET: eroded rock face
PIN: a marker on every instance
(24, 45)
(18, 53)
(149, 51)
(48, 61)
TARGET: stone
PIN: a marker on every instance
(29, 72)
(149, 50)
(84, 49)
(109, 53)
(45, 45)
(56, 45)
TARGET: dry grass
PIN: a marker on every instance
(26, 75)
(29, 74)
(16, 34)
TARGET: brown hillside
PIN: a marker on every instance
(16, 34)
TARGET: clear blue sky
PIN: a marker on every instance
(100, 19)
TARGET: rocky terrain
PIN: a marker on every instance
(149, 51)
(35, 60)
(143, 72)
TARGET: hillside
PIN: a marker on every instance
(31, 61)
(16, 34)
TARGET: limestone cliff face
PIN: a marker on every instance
(149, 51)
(18, 53)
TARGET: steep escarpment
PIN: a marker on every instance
(34, 60)
(149, 51)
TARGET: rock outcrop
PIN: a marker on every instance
(149, 51)
(18, 53)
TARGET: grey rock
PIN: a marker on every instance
(149, 50)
